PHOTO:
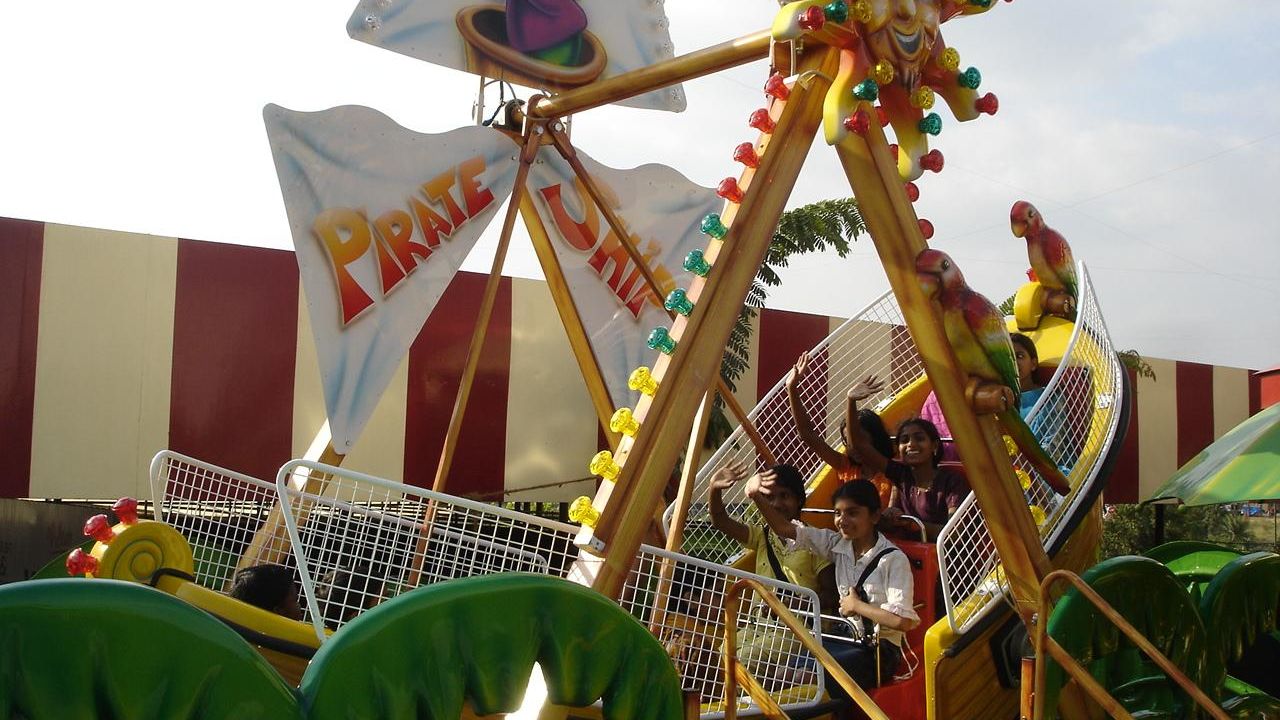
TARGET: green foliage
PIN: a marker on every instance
(1006, 307)
(1130, 529)
(819, 226)
(1132, 360)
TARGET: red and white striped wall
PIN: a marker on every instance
(114, 346)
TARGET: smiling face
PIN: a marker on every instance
(903, 32)
(854, 522)
(916, 446)
(785, 502)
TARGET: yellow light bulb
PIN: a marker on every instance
(882, 73)
(624, 421)
(642, 381)
(1037, 514)
(1010, 446)
(583, 512)
(602, 464)
(1024, 479)
(950, 60)
(922, 97)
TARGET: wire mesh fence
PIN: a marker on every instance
(1075, 421)
(219, 511)
(875, 341)
(681, 600)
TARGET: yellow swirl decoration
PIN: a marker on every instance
(138, 551)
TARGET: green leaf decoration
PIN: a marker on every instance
(78, 649)
(421, 654)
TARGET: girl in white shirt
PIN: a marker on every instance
(884, 603)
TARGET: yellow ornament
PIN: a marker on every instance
(882, 73)
(950, 60)
(602, 464)
(1024, 479)
(624, 421)
(861, 11)
(922, 97)
(1037, 514)
(583, 512)
(1010, 446)
(642, 381)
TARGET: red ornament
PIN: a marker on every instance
(932, 160)
(884, 116)
(126, 508)
(988, 104)
(812, 18)
(729, 190)
(926, 228)
(98, 527)
(913, 192)
(776, 87)
(859, 122)
(80, 562)
(746, 154)
(1031, 275)
(761, 121)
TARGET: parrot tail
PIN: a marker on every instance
(1017, 428)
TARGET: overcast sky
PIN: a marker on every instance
(1147, 132)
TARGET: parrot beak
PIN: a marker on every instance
(1019, 227)
(930, 284)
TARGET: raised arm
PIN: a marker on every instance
(758, 490)
(871, 460)
(725, 478)
(804, 426)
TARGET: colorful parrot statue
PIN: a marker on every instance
(977, 333)
(1048, 251)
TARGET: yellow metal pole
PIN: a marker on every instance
(569, 316)
(626, 505)
(892, 224)
(532, 140)
(623, 234)
(655, 77)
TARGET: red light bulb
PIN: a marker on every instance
(98, 527)
(932, 160)
(893, 152)
(884, 116)
(926, 228)
(858, 122)
(126, 508)
(913, 192)
(729, 190)
(812, 18)
(761, 121)
(80, 562)
(1031, 275)
(746, 154)
(988, 104)
(776, 87)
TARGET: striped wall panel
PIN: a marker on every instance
(114, 346)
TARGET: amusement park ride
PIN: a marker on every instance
(620, 627)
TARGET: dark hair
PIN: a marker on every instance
(929, 429)
(348, 592)
(263, 586)
(790, 479)
(1027, 344)
(876, 431)
(859, 492)
(687, 583)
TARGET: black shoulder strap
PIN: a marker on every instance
(773, 558)
(868, 627)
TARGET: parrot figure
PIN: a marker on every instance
(1047, 250)
(977, 333)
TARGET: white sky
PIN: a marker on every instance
(1146, 132)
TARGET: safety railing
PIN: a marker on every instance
(681, 599)
(739, 672)
(1048, 647)
(219, 511)
(363, 539)
(874, 341)
(1075, 420)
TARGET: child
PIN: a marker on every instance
(866, 442)
(873, 577)
(775, 558)
(922, 488)
(270, 587)
(1024, 353)
(347, 593)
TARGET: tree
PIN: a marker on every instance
(819, 226)
(1130, 529)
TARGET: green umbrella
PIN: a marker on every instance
(1241, 466)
